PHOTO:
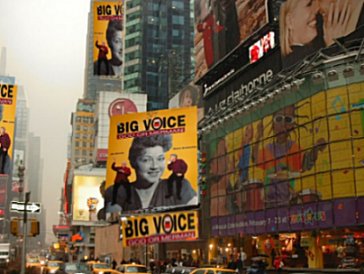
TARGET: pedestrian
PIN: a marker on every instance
(278, 264)
(114, 263)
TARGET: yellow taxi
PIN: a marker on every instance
(213, 270)
(101, 268)
(52, 266)
(132, 268)
(33, 262)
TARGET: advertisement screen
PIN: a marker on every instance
(160, 228)
(261, 47)
(291, 169)
(88, 202)
(307, 26)
(221, 25)
(7, 124)
(108, 38)
(152, 161)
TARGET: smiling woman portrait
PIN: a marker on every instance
(147, 156)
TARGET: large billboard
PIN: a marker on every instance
(307, 26)
(305, 152)
(108, 38)
(88, 202)
(221, 25)
(160, 228)
(159, 151)
(8, 93)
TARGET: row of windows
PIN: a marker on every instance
(87, 120)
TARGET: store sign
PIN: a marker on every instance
(243, 85)
(296, 218)
(160, 228)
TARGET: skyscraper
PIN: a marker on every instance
(158, 48)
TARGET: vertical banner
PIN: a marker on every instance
(108, 38)
(8, 93)
(157, 153)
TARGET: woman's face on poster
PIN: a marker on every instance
(117, 46)
(187, 99)
(151, 164)
(302, 23)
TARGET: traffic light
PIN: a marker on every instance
(14, 227)
(34, 228)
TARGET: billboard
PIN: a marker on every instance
(88, 201)
(190, 95)
(159, 151)
(160, 228)
(303, 152)
(108, 38)
(221, 25)
(307, 26)
(8, 93)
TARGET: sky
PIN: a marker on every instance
(46, 43)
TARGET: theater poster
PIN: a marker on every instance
(108, 38)
(156, 152)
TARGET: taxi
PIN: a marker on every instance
(132, 268)
(213, 270)
(33, 262)
(52, 267)
(101, 268)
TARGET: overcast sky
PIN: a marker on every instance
(46, 42)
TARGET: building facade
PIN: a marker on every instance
(158, 48)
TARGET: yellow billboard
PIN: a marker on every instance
(160, 228)
(108, 38)
(158, 150)
(88, 202)
(8, 94)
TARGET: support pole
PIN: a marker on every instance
(23, 257)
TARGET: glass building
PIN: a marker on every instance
(158, 48)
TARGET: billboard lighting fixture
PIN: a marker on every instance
(362, 68)
(332, 75)
(262, 100)
(348, 71)
(318, 77)
(239, 111)
(277, 91)
(286, 87)
(270, 95)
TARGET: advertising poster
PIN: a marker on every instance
(108, 38)
(190, 95)
(221, 25)
(307, 26)
(301, 153)
(88, 202)
(160, 228)
(8, 93)
(152, 161)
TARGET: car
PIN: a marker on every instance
(213, 270)
(73, 268)
(101, 268)
(51, 267)
(132, 268)
(179, 270)
(33, 262)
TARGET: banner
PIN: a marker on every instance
(305, 29)
(88, 202)
(157, 153)
(8, 93)
(220, 26)
(108, 38)
(160, 228)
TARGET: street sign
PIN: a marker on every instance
(20, 207)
